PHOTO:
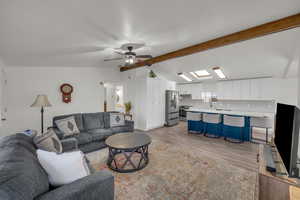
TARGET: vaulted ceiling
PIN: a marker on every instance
(82, 33)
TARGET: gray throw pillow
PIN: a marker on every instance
(48, 142)
(116, 119)
(67, 126)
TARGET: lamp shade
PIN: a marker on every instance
(41, 101)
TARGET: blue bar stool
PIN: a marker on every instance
(261, 122)
(212, 119)
(194, 120)
(234, 121)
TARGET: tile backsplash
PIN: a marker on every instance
(239, 105)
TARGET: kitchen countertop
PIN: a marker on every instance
(233, 112)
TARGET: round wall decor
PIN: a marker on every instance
(66, 90)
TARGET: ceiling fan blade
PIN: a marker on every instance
(111, 59)
(144, 56)
(118, 52)
(74, 50)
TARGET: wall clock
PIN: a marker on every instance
(66, 90)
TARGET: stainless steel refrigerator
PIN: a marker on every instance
(172, 107)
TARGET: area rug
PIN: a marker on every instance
(181, 171)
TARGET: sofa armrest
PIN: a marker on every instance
(98, 186)
(69, 144)
(130, 124)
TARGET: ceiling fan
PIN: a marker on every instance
(129, 56)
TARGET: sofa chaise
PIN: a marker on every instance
(23, 178)
(94, 129)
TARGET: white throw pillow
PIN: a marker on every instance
(117, 119)
(63, 168)
(68, 126)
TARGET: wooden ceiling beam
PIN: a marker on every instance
(251, 33)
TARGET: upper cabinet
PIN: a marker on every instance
(190, 89)
(224, 90)
(182, 89)
(281, 90)
(255, 89)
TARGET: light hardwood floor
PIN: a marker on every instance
(241, 155)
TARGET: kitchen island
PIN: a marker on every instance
(195, 125)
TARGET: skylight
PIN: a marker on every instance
(202, 73)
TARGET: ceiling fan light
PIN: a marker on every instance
(131, 60)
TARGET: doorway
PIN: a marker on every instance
(114, 98)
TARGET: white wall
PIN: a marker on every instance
(24, 83)
(135, 91)
(147, 96)
(156, 101)
(2, 83)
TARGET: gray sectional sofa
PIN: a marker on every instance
(23, 178)
(94, 129)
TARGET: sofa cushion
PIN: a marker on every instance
(84, 138)
(93, 121)
(68, 167)
(100, 134)
(48, 142)
(78, 120)
(120, 129)
(116, 119)
(68, 126)
(106, 117)
(21, 175)
(93, 146)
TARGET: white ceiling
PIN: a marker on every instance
(67, 33)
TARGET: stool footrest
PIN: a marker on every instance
(233, 140)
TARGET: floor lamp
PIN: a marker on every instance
(41, 101)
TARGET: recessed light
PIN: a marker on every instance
(194, 74)
(202, 73)
(219, 72)
(184, 77)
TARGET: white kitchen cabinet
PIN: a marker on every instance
(282, 90)
(255, 89)
(228, 90)
(244, 89)
(270, 88)
(178, 88)
(220, 90)
(182, 89)
(236, 90)
(240, 90)
(197, 90)
(189, 88)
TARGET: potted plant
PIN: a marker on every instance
(128, 107)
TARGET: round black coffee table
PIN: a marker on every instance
(132, 148)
